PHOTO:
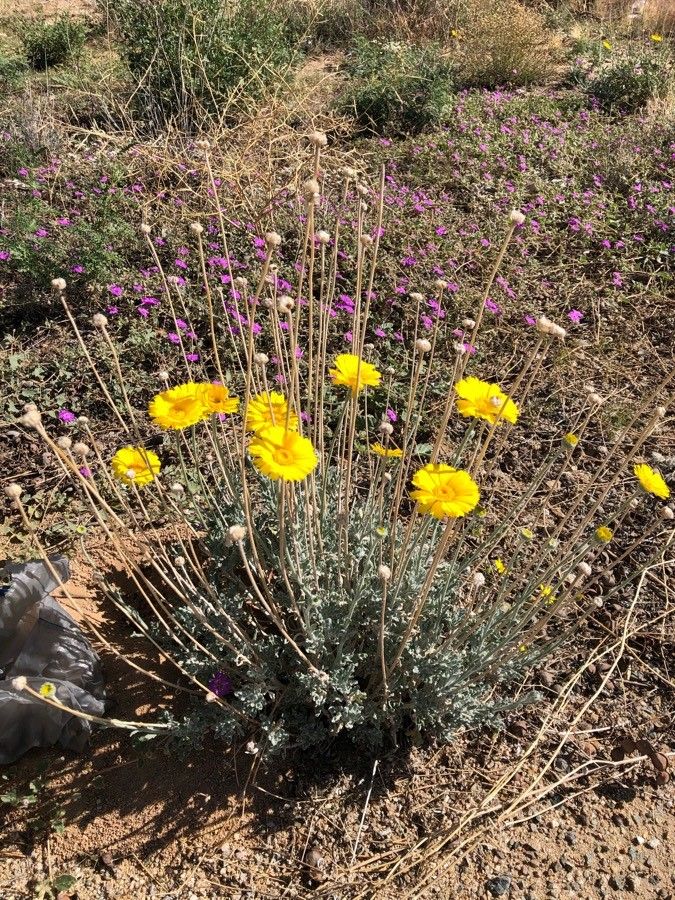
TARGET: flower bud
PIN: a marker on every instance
(272, 239)
(386, 428)
(516, 217)
(99, 320)
(59, 284)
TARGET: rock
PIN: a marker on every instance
(498, 886)
(590, 860)
(633, 884)
(617, 882)
(639, 840)
(653, 843)
(571, 838)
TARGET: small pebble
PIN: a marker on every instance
(498, 886)
(653, 843)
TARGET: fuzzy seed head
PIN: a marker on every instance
(131, 474)
(440, 284)
(177, 489)
(240, 281)
(260, 359)
(20, 683)
(144, 228)
(203, 144)
(323, 237)
(31, 419)
(272, 239)
(285, 305)
(179, 562)
(422, 345)
(478, 579)
(235, 535)
(318, 139)
(81, 449)
(584, 569)
(311, 189)
(667, 513)
(197, 228)
(163, 375)
(544, 325)
(59, 284)
(366, 240)
(383, 573)
(99, 321)
(558, 332)
(386, 428)
(468, 323)
(13, 491)
(516, 217)
(661, 412)
(64, 442)
(417, 297)
(82, 420)
(595, 399)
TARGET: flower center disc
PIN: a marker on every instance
(283, 457)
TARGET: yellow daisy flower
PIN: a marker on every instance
(279, 453)
(179, 407)
(216, 398)
(47, 689)
(142, 464)
(355, 373)
(546, 593)
(500, 566)
(651, 481)
(483, 400)
(268, 409)
(657, 38)
(604, 534)
(444, 492)
(571, 439)
(606, 44)
(381, 450)
(527, 533)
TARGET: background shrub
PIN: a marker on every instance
(627, 82)
(396, 87)
(48, 44)
(193, 58)
(503, 42)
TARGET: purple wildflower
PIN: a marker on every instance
(115, 290)
(493, 307)
(575, 315)
(65, 415)
(220, 684)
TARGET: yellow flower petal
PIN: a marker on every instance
(381, 450)
(355, 373)
(179, 407)
(444, 492)
(651, 481)
(268, 409)
(216, 398)
(483, 400)
(144, 464)
(279, 453)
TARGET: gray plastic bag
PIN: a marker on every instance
(42, 642)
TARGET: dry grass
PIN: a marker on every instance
(502, 41)
(659, 16)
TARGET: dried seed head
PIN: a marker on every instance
(27, 407)
(144, 228)
(99, 321)
(459, 348)
(544, 325)
(179, 562)
(235, 535)
(318, 139)
(240, 281)
(64, 442)
(661, 412)
(59, 284)
(366, 240)
(383, 573)
(558, 332)
(478, 579)
(272, 239)
(197, 228)
(584, 569)
(516, 217)
(417, 297)
(468, 323)
(163, 375)
(82, 420)
(177, 489)
(440, 284)
(285, 304)
(131, 474)
(422, 345)
(667, 513)
(311, 189)
(323, 237)
(20, 683)
(31, 419)
(203, 144)
(386, 428)
(260, 359)
(13, 491)
(387, 476)
(594, 398)
(81, 449)
(362, 190)
(349, 172)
